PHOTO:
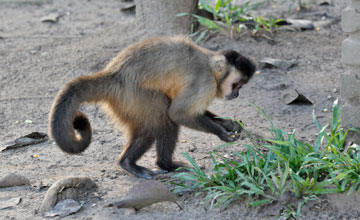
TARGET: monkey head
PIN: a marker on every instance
(233, 71)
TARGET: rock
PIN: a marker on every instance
(13, 179)
(70, 186)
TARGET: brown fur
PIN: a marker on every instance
(151, 87)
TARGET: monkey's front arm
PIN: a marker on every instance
(207, 122)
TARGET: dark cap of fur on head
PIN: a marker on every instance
(243, 64)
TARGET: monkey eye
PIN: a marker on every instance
(235, 85)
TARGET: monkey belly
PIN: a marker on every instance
(143, 109)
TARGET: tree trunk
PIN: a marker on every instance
(158, 17)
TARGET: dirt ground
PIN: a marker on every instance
(37, 58)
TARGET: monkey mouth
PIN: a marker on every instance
(229, 97)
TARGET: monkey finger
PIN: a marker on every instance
(237, 128)
(229, 137)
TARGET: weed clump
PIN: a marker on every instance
(233, 19)
(286, 165)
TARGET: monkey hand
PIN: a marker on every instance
(231, 126)
(228, 136)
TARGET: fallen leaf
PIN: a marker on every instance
(301, 23)
(288, 28)
(296, 25)
(13, 179)
(145, 194)
(281, 64)
(29, 139)
(296, 98)
(128, 8)
(64, 208)
(326, 23)
(324, 2)
(9, 202)
(52, 17)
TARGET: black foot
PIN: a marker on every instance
(172, 166)
(140, 171)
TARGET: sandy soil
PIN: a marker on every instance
(37, 58)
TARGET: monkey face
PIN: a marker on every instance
(233, 83)
(240, 71)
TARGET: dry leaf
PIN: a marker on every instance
(145, 194)
(13, 179)
(128, 8)
(64, 208)
(9, 203)
(324, 2)
(53, 17)
(281, 64)
(29, 139)
(302, 24)
(296, 98)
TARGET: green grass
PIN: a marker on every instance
(286, 165)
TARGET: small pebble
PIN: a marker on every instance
(335, 90)
(329, 97)
(325, 110)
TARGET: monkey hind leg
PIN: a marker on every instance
(165, 147)
(137, 146)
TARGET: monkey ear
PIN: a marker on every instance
(219, 64)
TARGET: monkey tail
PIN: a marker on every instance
(70, 128)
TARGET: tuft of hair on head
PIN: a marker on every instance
(243, 64)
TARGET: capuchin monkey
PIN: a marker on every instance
(153, 87)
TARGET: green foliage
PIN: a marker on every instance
(268, 25)
(287, 165)
(231, 18)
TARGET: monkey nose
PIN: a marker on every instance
(235, 94)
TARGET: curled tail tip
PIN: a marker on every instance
(81, 122)
(74, 139)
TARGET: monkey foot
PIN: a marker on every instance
(173, 166)
(140, 171)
